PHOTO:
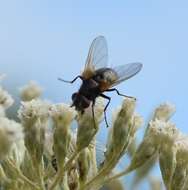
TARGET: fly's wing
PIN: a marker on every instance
(97, 57)
(126, 71)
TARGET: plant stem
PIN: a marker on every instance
(118, 175)
(100, 176)
(24, 178)
(39, 169)
(61, 172)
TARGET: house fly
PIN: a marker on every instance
(98, 78)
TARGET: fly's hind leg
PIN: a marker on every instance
(117, 91)
(105, 116)
(72, 81)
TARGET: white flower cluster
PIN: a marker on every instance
(42, 152)
(62, 114)
(10, 132)
(30, 91)
(6, 99)
(34, 109)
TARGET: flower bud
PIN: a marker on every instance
(62, 116)
(167, 162)
(164, 112)
(137, 123)
(168, 150)
(30, 91)
(34, 117)
(10, 132)
(87, 126)
(180, 174)
(122, 132)
(83, 165)
(17, 152)
(145, 151)
(6, 99)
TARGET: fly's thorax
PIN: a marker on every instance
(90, 89)
(88, 84)
(105, 75)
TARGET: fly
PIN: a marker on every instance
(98, 78)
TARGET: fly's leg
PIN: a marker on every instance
(109, 99)
(72, 80)
(114, 89)
(93, 114)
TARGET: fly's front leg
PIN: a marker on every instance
(114, 89)
(109, 99)
(72, 80)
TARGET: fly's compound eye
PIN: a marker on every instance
(74, 96)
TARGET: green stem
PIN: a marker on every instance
(118, 175)
(100, 176)
(93, 157)
(24, 178)
(61, 172)
(39, 169)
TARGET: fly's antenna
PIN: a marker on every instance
(72, 80)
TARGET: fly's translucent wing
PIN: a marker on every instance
(126, 71)
(98, 53)
(97, 56)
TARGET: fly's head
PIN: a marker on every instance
(80, 102)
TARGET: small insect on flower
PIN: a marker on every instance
(98, 78)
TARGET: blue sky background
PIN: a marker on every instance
(43, 40)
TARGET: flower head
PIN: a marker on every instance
(98, 112)
(34, 117)
(10, 132)
(88, 126)
(62, 114)
(34, 109)
(6, 99)
(179, 177)
(164, 111)
(30, 91)
(121, 133)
